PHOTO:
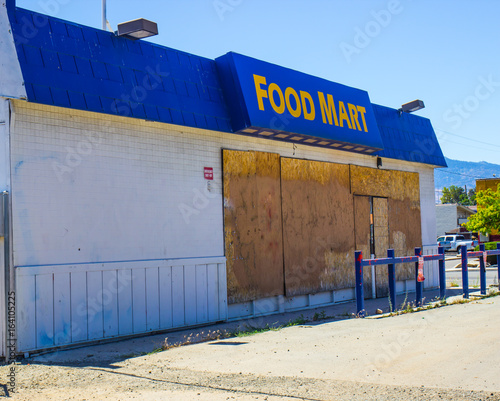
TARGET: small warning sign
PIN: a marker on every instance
(209, 173)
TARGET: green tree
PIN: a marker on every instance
(487, 217)
(453, 195)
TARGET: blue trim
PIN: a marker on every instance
(70, 65)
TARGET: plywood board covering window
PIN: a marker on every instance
(252, 225)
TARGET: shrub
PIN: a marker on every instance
(492, 259)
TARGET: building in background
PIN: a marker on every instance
(148, 189)
(450, 217)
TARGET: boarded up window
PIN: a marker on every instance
(318, 226)
(252, 225)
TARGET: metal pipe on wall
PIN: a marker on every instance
(104, 16)
(7, 276)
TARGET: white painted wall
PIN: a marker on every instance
(446, 218)
(11, 79)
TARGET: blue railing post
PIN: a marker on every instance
(360, 296)
(442, 274)
(418, 285)
(498, 265)
(392, 280)
(465, 272)
(482, 271)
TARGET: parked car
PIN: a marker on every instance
(455, 242)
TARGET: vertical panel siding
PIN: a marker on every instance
(201, 293)
(61, 305)
(125, 319)
(190, 294)
(139, 300)
(178, 295)
(80, 309)
(110, 303)
(44, 301)
(213, 292)
(95, 301)
(152, 299)
(62, 309)
(166, 297)
(25, 311)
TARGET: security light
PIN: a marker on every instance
(412, 106)
(138, 29)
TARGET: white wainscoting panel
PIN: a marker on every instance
(69, 304)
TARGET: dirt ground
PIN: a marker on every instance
(448, 353)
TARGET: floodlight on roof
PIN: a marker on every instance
(410, 107)
(137, 29)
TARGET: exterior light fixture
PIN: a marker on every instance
(137, 29)
(411, 106)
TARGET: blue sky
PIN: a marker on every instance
(445, 52)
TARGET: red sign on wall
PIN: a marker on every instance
(209, 173)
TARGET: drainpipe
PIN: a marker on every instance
(10, 335)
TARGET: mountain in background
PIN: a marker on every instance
(460, 173)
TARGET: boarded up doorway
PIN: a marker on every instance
(371, 217)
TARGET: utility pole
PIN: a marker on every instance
(104, 17)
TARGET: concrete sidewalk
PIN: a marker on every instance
(110, 352)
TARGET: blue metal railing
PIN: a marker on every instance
(391, 261)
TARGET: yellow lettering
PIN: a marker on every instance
(308, 115)
(261, 93)
(343, 115)
(281, 108)
(327, 110)
(290, 91)
(362, 111)
(353, 112)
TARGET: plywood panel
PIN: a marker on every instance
(402, 189)
(318, 226)
(386, 183)
(95, 301)
(405, 234)
(252, 225)
(381, 236)
(362, 237)
(62, 308)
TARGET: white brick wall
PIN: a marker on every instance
(446, 218)
(89, 187)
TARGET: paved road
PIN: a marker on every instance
(454, 275)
